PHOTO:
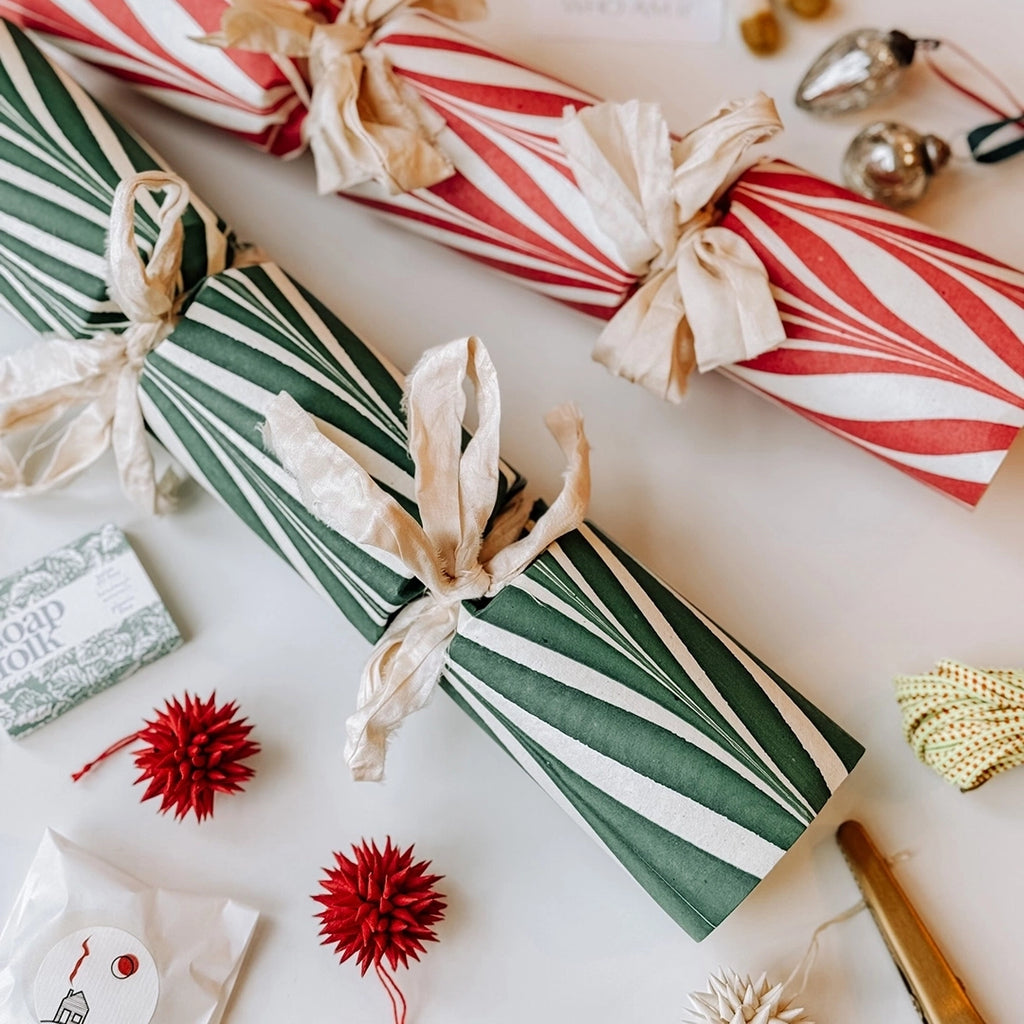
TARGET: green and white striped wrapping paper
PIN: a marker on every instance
(683, 755)
(688, 759)
(247, 335)
(61, 158)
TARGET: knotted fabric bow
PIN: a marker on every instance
(456, 491)
(80, 397)
(363, 122)
(705, 300)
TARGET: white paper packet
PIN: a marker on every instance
(87, 940)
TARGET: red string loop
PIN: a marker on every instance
(398, 1005)
(932, 50)
(109, 752)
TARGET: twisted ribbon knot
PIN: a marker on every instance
(363, 122)
(448, 551)
(80, 397)
(705, 299)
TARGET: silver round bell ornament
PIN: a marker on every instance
(856, 70)
(892, 163)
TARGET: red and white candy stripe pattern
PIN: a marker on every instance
(514, 203)
(152, 44)
(899, 340)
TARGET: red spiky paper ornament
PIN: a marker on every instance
(193, 751)
(379, 907)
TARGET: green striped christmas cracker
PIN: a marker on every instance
(61, 158)
(684, 756)
(691, 762)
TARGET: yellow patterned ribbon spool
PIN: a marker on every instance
(966, 723)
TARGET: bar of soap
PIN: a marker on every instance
(73, 623)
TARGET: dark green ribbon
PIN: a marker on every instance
(978, 136)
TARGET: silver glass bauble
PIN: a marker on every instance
(856, 70)
(892, 163)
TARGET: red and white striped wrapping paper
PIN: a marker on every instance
(898, 339)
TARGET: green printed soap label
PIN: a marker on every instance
(73, 623)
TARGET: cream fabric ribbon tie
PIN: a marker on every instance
(448, 552)
(363, 123)
(81, 397)
(705, 299)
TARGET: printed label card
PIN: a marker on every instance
(73, 623)
(102, 972)
(665, 21)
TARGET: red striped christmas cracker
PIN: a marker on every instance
(152, 44)
(898, 339)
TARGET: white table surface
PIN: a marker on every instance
(836, 569)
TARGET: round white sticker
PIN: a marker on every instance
(102, 975)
